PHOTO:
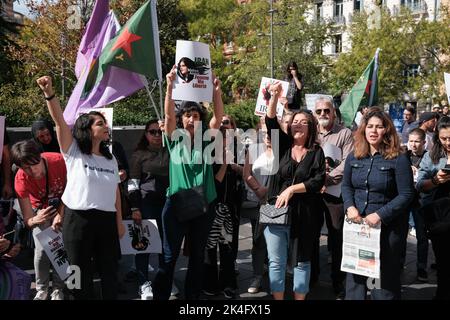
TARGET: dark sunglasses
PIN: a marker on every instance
(319, 111)
(226, 121)
(155, 132)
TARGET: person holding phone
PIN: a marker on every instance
(41, 177)
(433, 181)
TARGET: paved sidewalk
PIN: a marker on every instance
(412, 289)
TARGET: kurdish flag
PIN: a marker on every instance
(135, 48)
(363, 93)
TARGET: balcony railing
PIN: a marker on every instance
(420, 7)
(339, 20)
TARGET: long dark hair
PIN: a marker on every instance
(437, 151)
(311, 141)
(42, 124)
(82, 133)
(191, 69)
(143, 142)
(291, 64)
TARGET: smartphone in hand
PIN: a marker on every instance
(54, 202)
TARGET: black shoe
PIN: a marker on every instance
(422, 275)
(209, 293)
(340, 295)
(338, 289)
(229, 293)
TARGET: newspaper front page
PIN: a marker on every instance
(361, 249)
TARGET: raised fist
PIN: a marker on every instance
(45, 83)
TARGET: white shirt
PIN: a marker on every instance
(262, 168)
(91, 181)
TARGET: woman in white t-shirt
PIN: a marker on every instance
(92, 220)
(256, 176)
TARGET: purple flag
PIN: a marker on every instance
(91, 34)
(116, 84)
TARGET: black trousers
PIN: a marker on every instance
(216, 279)
(392, 243)
(91, 239)
(334, 217)
(440, 244)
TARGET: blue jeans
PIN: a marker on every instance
(277, 239)
(148, 211)
(196, 232)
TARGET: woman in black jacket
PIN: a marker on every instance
(297, 184)
(149, 179)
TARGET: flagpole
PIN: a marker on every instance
(151, 101)
(160, 97)
(374, 79)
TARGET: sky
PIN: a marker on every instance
(19, 6)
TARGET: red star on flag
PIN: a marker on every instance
(124, 41)
(369, 82)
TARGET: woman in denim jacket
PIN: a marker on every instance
(433, 182)
(378, 187)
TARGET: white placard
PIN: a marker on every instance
(2, 135)
(447, 85)
(335, 153)
(140, 239)
(194, 84)
(52, 242)
(262, 102)
(361, 249)
(311, 100)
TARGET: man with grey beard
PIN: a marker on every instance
(333, 134)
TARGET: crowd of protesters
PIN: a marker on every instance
(197, 197)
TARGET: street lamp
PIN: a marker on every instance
(271, 11)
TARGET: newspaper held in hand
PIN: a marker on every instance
(361, 249)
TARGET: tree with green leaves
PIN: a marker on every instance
(247, 29)
(47, 45)
(404, 42)
(7, 30)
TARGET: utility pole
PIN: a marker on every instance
(63, 67)
(271, 11)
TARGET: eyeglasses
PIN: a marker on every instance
(226, 122)
(155, 132)
(319, 111)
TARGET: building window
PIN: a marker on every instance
(411, 71)
(319, 11)
(338, 8)
(357, 5)
(413, 5)
(338, 43)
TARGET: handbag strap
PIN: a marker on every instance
(293, 180)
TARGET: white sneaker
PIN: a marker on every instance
(412, 232)
(41, 295)
(146, 291)
(175, 290)
(57, 294)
